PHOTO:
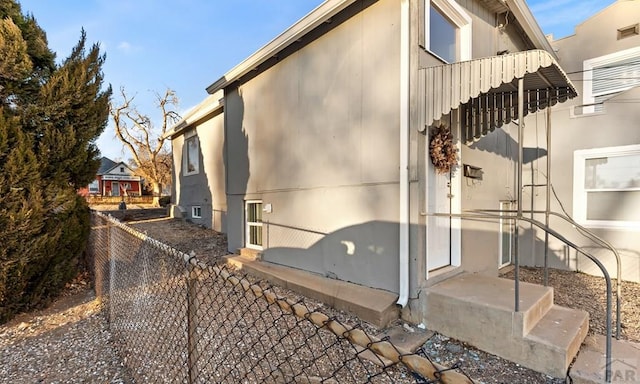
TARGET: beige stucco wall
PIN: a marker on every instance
(205, 189)
(316, 136)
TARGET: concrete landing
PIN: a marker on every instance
(374, 306)
(590, 364)
(479, 310)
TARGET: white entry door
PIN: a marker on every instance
(253, 222)
(443, 237)
(115, 188)
(438, 228)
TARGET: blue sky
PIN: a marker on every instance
(188, 44)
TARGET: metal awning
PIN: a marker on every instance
(486, 90)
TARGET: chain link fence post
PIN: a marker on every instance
(192, 275)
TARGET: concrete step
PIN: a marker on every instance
(556, 339)
(589, 367)
(375, 306)
(479, 310)
(250, 253)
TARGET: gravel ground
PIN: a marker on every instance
(70, 342)
(582, 291)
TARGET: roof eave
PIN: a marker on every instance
(309, 22)
(529, 24)
(210, 104)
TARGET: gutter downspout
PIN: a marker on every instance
(403, 250)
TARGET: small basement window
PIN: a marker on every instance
(629, 31)
(196, 212)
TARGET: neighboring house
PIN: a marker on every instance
(315, 149)
(114, 179)
(595, 152)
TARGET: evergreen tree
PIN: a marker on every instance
(50, 117)
(74, 112)
(23, 90)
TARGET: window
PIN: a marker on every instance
(507, 233)
(607, 187)
(94, 187)
(121, 169)
(606, 76)
(196, 212)
(191, 160)
(447, 30)
(125, 186)
(253, 218)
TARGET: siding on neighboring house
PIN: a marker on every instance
(113, 175)
(577, 128)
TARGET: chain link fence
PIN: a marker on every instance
(176, 320)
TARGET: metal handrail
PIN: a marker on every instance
(593, 237)
(603, 243)
(558, 236)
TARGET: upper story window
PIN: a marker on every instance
(191, 154)
(121, 169)
(447, 30)
(607, 187)
(606, 76)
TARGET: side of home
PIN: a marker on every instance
(316, 154)
(198, 172)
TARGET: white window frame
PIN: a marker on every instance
(95, 183)
(185, 155)
(459, 17)
(510, 226)
(580, 193)
(196, 212)
(249, 224)
(588, 98)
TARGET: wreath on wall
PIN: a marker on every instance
(442, 150)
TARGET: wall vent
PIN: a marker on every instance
(629, 31)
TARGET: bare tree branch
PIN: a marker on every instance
(139, 135)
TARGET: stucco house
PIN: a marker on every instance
(114, 179)
(595, 152)
(315, 152)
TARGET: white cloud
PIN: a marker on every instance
(126, 47)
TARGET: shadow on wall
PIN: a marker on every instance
(195, 196)
(630, 262)
(501, 143)
(562, 256)
(235, 158)
(365, 254)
